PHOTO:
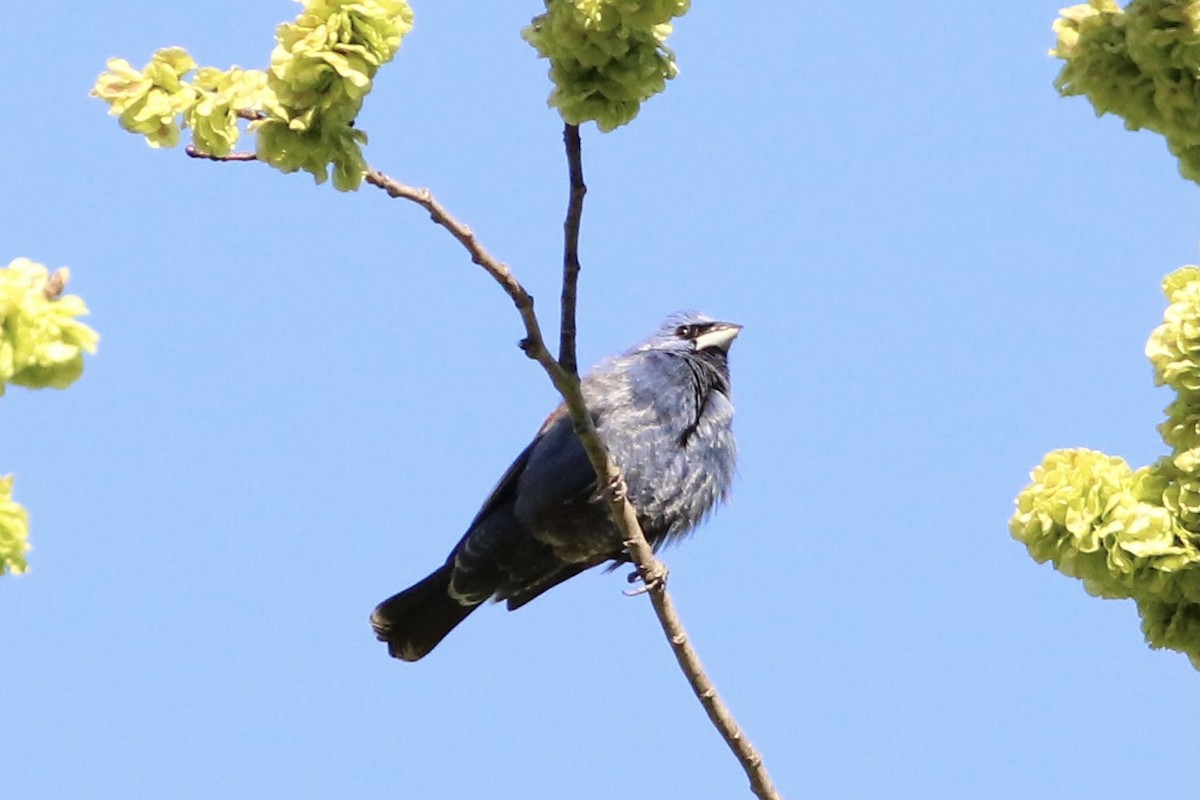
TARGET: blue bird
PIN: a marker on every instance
(663, 411)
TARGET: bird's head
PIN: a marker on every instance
(691, 332)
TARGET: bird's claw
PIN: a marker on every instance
(655, 581)
(614, 488)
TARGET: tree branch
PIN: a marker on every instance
(195, 152)
(570, 277)
(718, 713)
(566, 381)
(533, 344)
(652, 571)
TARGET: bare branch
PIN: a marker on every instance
(533, 344)
(720, 715)
(566, 381)
(651, 571)
(195, 152)
(570, 276)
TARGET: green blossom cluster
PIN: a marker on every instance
(1098, 520)
(41, 341)
(1174, 350)
(41, 345)
(1141, 63)
(303, 109)
(224, 97)
(14, 531)
(606, 56)
(1134, 533)
(321, 69)
(158, 101)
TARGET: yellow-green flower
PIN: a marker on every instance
(1172, 625)
(41, 340)
(322, 68)
(1141, 63)
(14, 531)
(606, 57)
(1134, 534)
(221, 96)
(157, 102)
(149, 102)
(1081, 511)
(1174, 346)
(303, 109)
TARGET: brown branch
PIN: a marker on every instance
(652, 571)
(533, 344)
(570, 275)
(566, 381)
(195, 152)
(718, 713)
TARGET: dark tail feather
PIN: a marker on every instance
(414, 621)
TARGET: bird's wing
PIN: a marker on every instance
(557, 472)
(502, 554)
(548, 448)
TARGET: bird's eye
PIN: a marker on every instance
(684, 331)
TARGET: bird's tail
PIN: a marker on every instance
(415, 620)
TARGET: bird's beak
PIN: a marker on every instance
(719, 336)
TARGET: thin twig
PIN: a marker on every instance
(195, 152)
(533, 344)
(652, 571)
(570, 275)
(567, 383)
(720, 715)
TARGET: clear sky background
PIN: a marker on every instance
(301, 397)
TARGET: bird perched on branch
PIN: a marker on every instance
(663, 411)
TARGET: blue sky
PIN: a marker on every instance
(301, 397)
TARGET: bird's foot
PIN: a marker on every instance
(655, 581)
(614, 488)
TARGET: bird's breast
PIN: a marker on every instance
(678, 463)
